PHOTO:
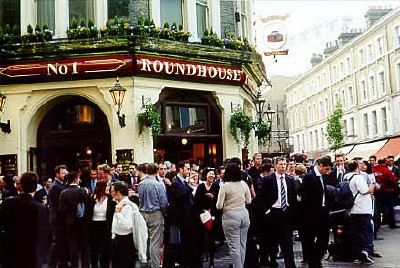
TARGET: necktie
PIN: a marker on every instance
(93, 185)
(133, 181)
(283, 196)
(340, 176)
(323, 190)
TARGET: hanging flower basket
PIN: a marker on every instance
(149, 118)
(263, 131)
(240, 121)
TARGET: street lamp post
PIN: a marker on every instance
(263, 130)
(118, 93)
(5, 127)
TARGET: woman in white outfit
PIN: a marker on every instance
(232, 197)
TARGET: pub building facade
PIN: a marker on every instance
(61, 111)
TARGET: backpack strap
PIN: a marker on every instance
(354, 198)
(351, 177)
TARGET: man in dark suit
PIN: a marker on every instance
(276, 201)
(78, 239)
(338, 172)
(118, 175)
(25, 225)
(315, 212)
(58, 250)
(183, 215)
(42, 195)
(91, 184)
(133, 178)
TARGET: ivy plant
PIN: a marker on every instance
(240, 121)
(263, 131)
(150, 118)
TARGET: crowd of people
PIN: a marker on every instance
(168, 215)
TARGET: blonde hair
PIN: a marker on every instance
(300, 169)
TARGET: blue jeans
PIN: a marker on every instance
(369, 238)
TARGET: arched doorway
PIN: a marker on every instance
(191, 127)
(74, 132)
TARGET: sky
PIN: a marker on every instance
(309, 26)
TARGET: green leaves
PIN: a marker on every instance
(149, 118)
(263, 131)
(334, 128)
(240, 121)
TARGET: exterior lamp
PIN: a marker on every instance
(262, 128)
(270, 114)
(5, 127)
(118, 93)
(259, 104)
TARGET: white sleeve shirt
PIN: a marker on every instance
(122, 221)
(363, 201)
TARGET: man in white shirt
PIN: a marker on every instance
(361, 214)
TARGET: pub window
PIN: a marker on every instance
(46, 13)
(81, 9)
(185, 119)
(118, 8)
(10, 13)
(171, 11)
(202, 14)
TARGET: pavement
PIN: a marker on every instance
(388, 246)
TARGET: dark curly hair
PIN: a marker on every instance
(232, 172)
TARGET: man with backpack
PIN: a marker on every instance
(360, 214)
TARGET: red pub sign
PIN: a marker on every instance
(189, 70)
(67, 69)
(119, 65)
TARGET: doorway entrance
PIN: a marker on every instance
(191, 128)
(74, 132)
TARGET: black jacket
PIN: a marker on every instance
(69, 199)
(268, 194)
(26, 230)
(110, 209)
